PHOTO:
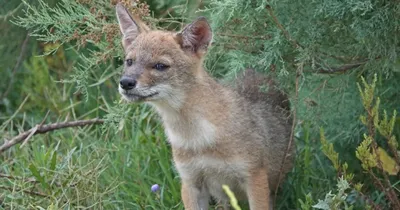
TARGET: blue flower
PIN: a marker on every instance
(155, 188)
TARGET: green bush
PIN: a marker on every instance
(318, 51)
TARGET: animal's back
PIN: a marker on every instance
(270, 110)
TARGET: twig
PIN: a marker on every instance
(35, 129)
(25, 191)
(378, 183)
(244, 37)
(166, 12)
(289, 145)
(32, 180)
(18, 178)
(46, 128)
(280, 26)
(390, 193)
(17, 64)
(298, 73)
(15, 113)
(10, 13)
(368, 199)
(232, 47)
(340, 69)
(297, 45)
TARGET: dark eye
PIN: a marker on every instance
(160, 67)
(129, 62)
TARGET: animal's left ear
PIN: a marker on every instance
(130, 26)
(196, 36)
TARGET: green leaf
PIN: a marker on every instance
(46, 156)
(37, 175)
(53, 161)
(388, 163)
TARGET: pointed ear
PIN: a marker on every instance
(130, 28)
(196, 36)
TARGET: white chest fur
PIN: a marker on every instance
(186, 132)
(196, 134)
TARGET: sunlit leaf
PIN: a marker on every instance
(388, 163)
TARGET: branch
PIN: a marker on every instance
(280, 26)
(17, 64)
(367, 199)
(32, 180)
(34, 130)
(44, 129)
(25, 191)
(340, 69)
(297, 45)
(291, 138)
(18, 178)
(10, 13)
(244, 37)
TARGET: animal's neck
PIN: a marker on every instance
(189, 119)
(183, 103)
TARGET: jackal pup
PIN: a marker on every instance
(219, 135)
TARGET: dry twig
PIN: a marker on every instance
(280, 26)
(340, 69)
(34, 130)
(6, 176)
(24, 191)
(244, 37)
(298, 74)
(291, 139)
(17, 64)
(297, 45)
(44, 129)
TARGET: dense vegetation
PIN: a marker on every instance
(61, 60)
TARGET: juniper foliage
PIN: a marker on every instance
(326, 46)
(333, 42)
(316, 50)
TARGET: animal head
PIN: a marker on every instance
(160, 65)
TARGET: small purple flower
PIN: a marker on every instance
(155, 188)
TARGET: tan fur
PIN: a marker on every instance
(219, 135)
(258, 189)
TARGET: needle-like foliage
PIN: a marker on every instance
(318, 51)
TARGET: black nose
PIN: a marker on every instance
(127, 83)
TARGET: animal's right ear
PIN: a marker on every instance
(196, 37)
(128, 26)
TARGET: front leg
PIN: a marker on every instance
(194, 198)
(258, 191)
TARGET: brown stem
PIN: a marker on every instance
(10, 13)
(370, 202)
(244, 37)
(280, 26)
(34, 130)
(289, 145)
(378, 183)
(17, 64)
(367, 199)
(166, 12)
(46, 128)
(390, 193)
(25, 191)
(18, 178)
(340, 69)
